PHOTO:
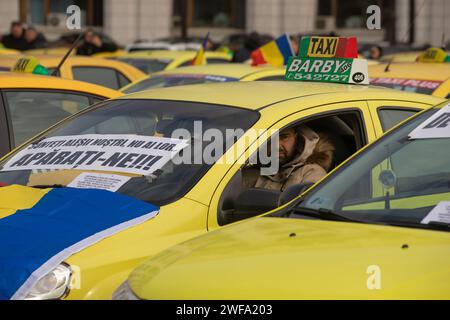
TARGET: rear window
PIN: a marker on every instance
(106, 77)
(147, 65)
(174, 80)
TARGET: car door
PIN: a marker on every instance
(363, 130)
(30, 111)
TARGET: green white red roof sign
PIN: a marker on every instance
(327, 59)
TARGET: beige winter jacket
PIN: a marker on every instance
(309, 166)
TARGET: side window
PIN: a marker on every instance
(123, 81)
(103, 76)
(249, 193)
(271, 78)
(34, 111)
(389, 117)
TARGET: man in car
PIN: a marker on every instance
(15, 39)
(304, 156)
(93, 43)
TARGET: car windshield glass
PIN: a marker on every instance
(147, 65)
(409, 85)
(153, 150)
(402, 179)
(173, 80)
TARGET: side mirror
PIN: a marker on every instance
(250, 203)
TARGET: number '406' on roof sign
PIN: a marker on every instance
(339, 70)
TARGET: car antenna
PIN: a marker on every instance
(74, 45)
(389, 64)
(408, 30)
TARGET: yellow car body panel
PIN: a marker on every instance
(177, 58)
(52, 61)
(241, 71)
(101, 267)
(8, 51)
(324, 260)
(409, 56)
(417, 71)
(112, 54)
(16, 80)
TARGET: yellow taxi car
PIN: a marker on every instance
(30, 104)
(429, 75)
(108, 73)
(339, 240)
(8, 51)
(178, 155)
(427, 78)
(408, 56)
(159, 60)
(206, 74)
(191, 197)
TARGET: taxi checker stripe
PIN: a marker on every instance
(64, 221)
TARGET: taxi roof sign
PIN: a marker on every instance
(29, 65)
(437, 55)
(328, 47)
(328, 59)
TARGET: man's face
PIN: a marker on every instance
(16, 31)
(375, 53)
(30, 35)
(88, 36)
(287, 145)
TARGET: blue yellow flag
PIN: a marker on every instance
(40, 228)
(276, 52)
(200, 56)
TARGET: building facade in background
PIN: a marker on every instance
(127, 21)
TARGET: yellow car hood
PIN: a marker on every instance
(280, 258)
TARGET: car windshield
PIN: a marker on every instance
(173, 80)
(409, 85)
(402, 179)
(147, 65)
(128, 146)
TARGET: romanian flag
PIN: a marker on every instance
(276, 52)
(40, 228)
(200, 56)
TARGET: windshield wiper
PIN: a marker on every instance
(321, 213)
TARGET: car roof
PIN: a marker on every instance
(412, 70)
(255, 95)
(172, 54)
(15, 80)
(235, 70)
(54, 59)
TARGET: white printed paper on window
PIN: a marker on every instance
(437, 126)
(120, 153)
